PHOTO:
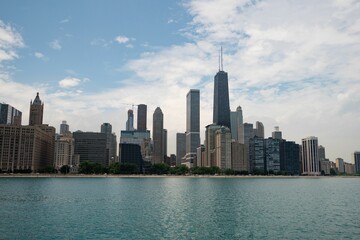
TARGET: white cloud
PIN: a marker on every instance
(69, 82)
(39, 55)
(65, 20)
(55, 44)
(10, 39)
(122, 39)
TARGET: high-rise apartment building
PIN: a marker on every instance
(64, 151)
(200, 156)
(165, 134)
(221, 114)
(158, 136)
(9, 115)
(192, 126)
(289, 157)
(141, 138)
(259, 130)
(130, 121)
(142, 117)
(272, 154)
(131, 153)
(257, 154)
(36, 111)
(111, 143)
(180, 147)
(310, 157)
(64, 127)
(356, 157)
(340, 165)
(238, 160)
(236, 121)
(223, 148)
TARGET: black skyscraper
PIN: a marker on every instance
(221, 99)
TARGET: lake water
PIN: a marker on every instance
(180, 208)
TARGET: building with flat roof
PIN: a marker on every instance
(91, 147)
(9, 115)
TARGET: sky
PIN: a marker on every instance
(292, 64)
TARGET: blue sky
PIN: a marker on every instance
(292, 64)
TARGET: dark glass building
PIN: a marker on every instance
(131, 153)
(221, 115)
(91, 147)
(290, 157)
(9, 115)
(141, 117)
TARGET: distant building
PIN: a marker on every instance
(248, 133)
(259, 130)
(64, 127)
(9, 115)
(340, 165)
(276, 134)
(64, 152)
(321, 152)
(223, 148)
(272, 154)
(130, 121)
(36, 111)
(210, 131)
(131, 153)
(325, 167)
(172, 160)
(310, 157)
(236, 121)
(349, 168)
(142, 117)
(165, 134)
(141, 138)
(26, 147)
(257, 154)
(238, 160)
(200, 156)
(180, 147)
(290, 157)
(111, 143)
(91, 147)
(221, 113)
(158, 136)
(356, 157)
(192, 126)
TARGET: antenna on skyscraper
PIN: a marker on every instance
(221, 58)
(219, 61)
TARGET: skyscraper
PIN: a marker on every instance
(192, 126)
(64, 127)
(357, 161)
(223, 148)
(141, 117)
(9, 115)
(180, 147)
(111, 144)
(259, 130)
(340, 165)
(210, 157)
(91, 146)
(310, 158)
(236, 120)
(321, 152)
(36, 111)
(130, 121)
(276, 134)
(158, 136)
(272, 154)
(221, 114)
(165, 134)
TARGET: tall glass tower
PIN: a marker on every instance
(221, 114)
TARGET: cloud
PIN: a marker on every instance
(65, 20)
(99, 42)
(55, 44)
(10, 40)
(39, 55)
(122, 39)
(69, 82)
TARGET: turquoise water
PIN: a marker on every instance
(179, 208)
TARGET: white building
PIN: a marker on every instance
(223, 148)
(310, 158)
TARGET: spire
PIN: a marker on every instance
(221, 59)
(37, 100)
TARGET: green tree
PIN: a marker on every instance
(65, 169)
(160, 168)
(333, 172)
(48, 169)
(114, 168)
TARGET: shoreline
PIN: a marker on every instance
(19, 175)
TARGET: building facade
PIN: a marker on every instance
(111, 143)
(131, 153)
(221, 111)
(238, 162)
(236, 121)
(356, 159)
(130, 121)
(64, 127)
(91, 147)
(272, 154)
(290, 157)
(210, 131)
(142, 117)
(340, 165)
(257, 155)
(276, 134)
(158, 136)
(9, 115)
(36, 111)
(192, 126)
(259, 130)
(180, 147)
(223, 148)
(310, 158)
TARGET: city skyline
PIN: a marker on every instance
(302, 76)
